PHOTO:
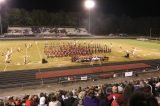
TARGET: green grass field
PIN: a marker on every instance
(145, 50)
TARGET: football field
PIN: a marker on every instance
(33, 50)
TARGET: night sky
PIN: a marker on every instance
(133, 8)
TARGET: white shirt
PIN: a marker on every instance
(54, 103)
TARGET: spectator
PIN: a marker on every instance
(119, 100)
(1, 103)
(70, 100)
(103, 101)
(79, 101)
(59, 97)
(128, 91)
(17, 102)
(35, 100)
(42, 101)
(54, 101)
(113, 95)
(142, 99)
(29, 101)
(91, 99)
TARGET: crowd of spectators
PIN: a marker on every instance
(127, 93)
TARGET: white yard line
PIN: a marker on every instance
(5, 67)
(38, 50)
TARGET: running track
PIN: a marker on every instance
(92, 70)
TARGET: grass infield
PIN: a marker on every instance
(144, 50)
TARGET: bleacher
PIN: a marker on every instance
(19, 31)
(45, 31)
(77, 31)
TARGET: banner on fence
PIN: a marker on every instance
(70, 78)
(84, 78)
(128, 74)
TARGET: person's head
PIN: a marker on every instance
(101, 93)
(35, 98)
(120, 89)
(81, 95)
(91, 93)
(54, 98)
(79, 89)
(74, 92)
(114, 89)
(30, 97)
(42, 94)
(70, 94)
(142, 99)
(142, 84)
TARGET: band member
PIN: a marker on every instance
(127, 54)
(25, 60)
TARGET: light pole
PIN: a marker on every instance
(1, 1)
(89, 4)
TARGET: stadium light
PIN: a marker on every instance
(1, 1)
(89, 4)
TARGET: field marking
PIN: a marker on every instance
(38, 50)
(5, 67)
(117, 52)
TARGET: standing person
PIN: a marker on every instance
(29, 101)
(119, 100)
(17, 102)
(79, 101)
(35, 100)
(54, 101)
(103, 101)
(70, 100)
(91, 99)
(128, 91)
(113, 95)
(42, 101)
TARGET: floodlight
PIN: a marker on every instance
(89, 4)
(1, 1)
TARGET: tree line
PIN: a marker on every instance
(101, 23)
